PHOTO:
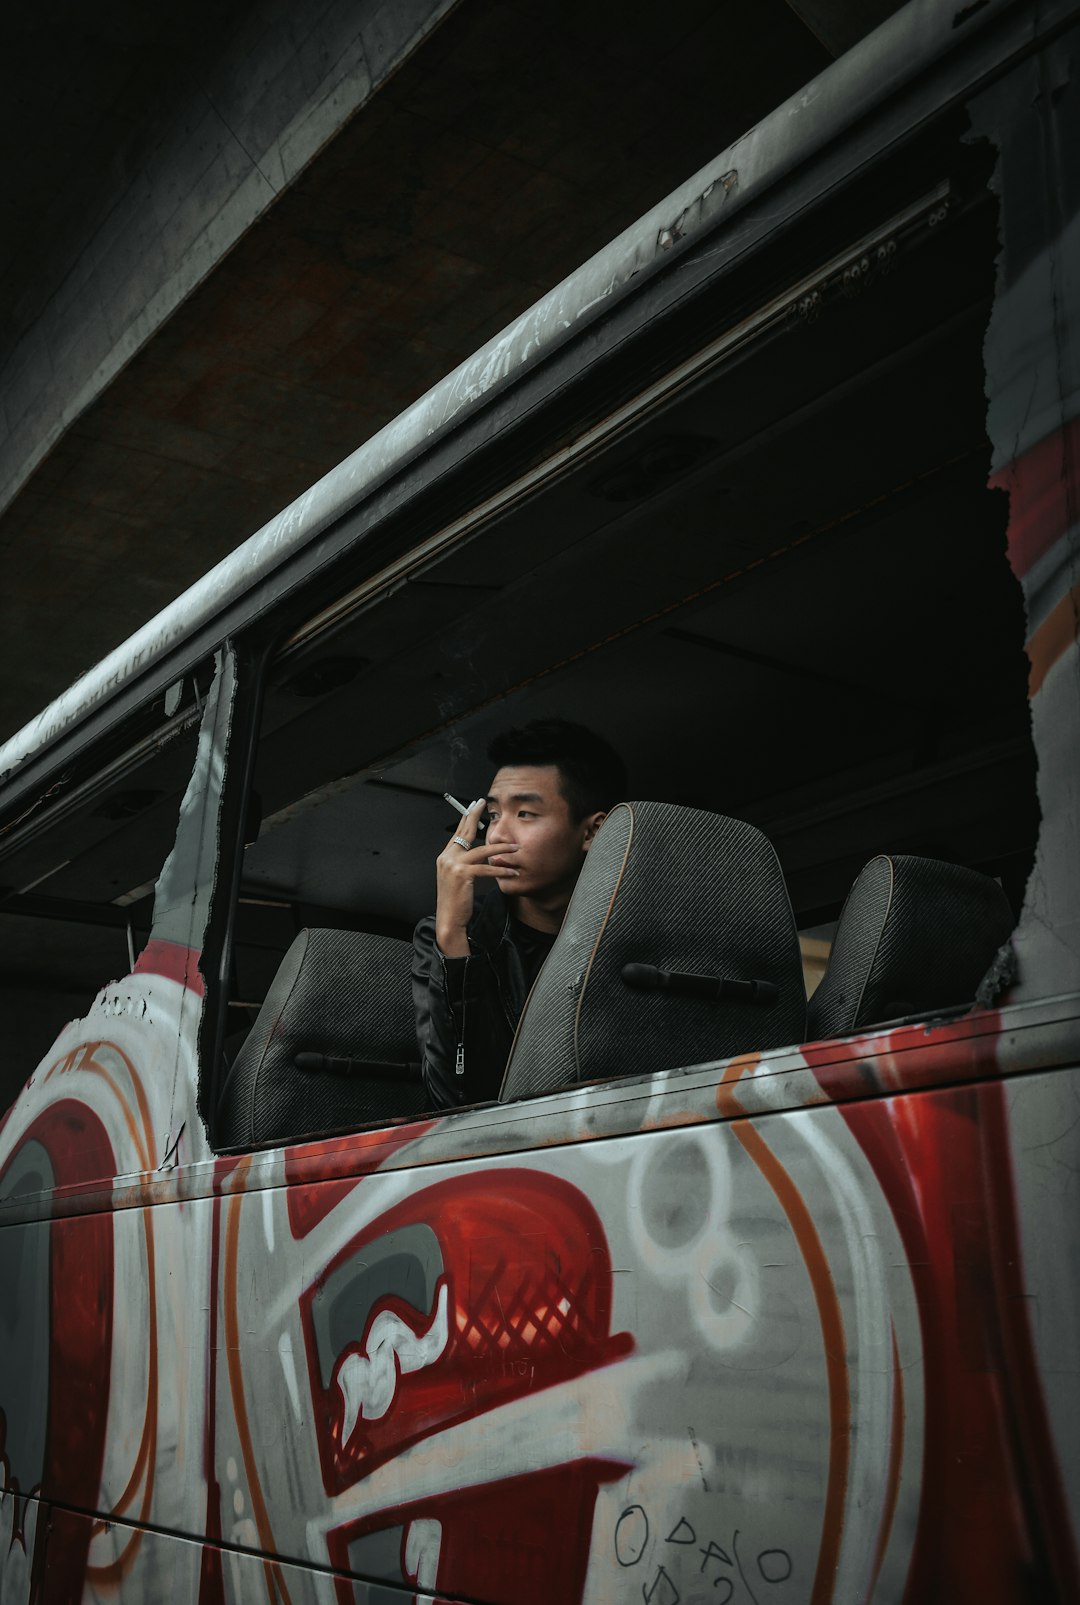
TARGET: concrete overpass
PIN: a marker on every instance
(240, 238)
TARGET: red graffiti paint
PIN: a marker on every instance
(514, 1297)
(173, 961)
(80, 1333)
(941, 1160)
(1041, 487)
(337, 1164)
(521, 1541)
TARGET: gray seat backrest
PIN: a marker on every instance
(915, 935)
(332, 1047)
(671, 892)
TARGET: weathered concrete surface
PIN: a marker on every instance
(239, 125)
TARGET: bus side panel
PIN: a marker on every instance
(787, 1356)
(137, 1564)
(794, 1350)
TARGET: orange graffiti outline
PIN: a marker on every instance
(1053, 638)
(829, 1315)
(95, 1069)
(146, 1460)
(61, 1066)
(230, 1297)
(146, 1148)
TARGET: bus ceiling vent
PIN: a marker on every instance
(916, 936)
(681, 931)
(333, 1046)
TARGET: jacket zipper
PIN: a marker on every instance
(459, 1051)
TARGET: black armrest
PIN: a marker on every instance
(714, 988)
(326, 1064)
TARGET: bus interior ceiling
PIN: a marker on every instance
(784, 596)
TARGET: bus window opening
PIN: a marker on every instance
(802, 618)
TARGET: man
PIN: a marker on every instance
(475, 959)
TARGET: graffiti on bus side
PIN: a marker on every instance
(682, 1556)
(461, 1300)
(443, 1336)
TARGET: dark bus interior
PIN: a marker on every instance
(780, 589)
(783, 596)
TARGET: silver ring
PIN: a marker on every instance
(461, 842)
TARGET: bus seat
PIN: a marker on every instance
(915, 936)
(678, 947)
(333, 1046)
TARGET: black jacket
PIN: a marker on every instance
(467, 1009)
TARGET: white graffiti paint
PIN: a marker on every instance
(368, 1379)
(423, 1542)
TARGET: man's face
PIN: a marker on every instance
(526, 806)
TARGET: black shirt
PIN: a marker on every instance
(534, 947)
(467, 1009)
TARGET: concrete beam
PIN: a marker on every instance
(283, 84)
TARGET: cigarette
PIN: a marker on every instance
(461, 808)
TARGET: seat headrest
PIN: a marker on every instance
(333, 1045)
(684, 892)
(915, 935)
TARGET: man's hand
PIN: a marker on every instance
(457, 871)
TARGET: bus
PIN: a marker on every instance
(729, 1296)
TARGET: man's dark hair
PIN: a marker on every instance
(592, 776)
